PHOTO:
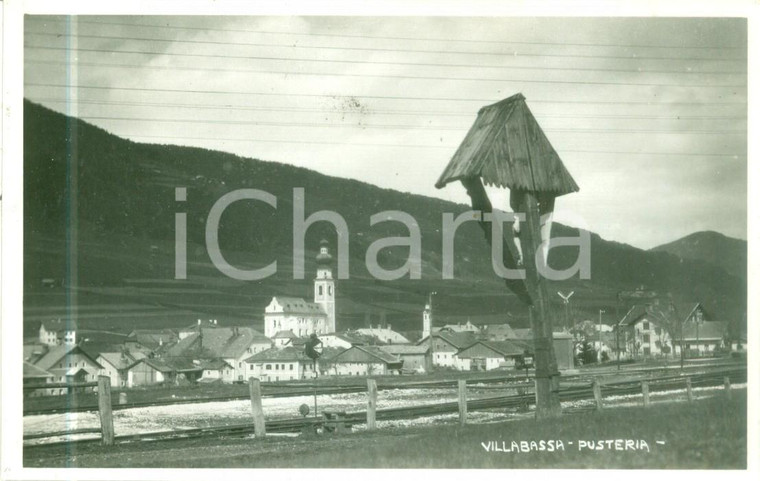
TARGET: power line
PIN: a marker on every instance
(376, 49)
(378, 111)
(425, 39)
(387, 76)
(366, 62)
(394, 126)
(396, 145)
(374, 97)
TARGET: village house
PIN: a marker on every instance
(444, 346)
(68, 363)
(459, 327)
(33, 377)
(57, 331)
(698, 333)
(150, 371)
(343, 340)
(280, 364)
(361, 361)
(301, 317)
(216, 370)
(416, 358)
(116, 365)
(646, 330)
(497, 332)
(283, 338)
(489, 355)
(231, 344)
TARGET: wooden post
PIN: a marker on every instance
(541, 314)
(689, 393)
(727, 385)
(371, 403)
(462, 402)
(259, 426)
(104, 410)
(597, 387)
(645, 392)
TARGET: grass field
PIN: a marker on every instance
(710, 433)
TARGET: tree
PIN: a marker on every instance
(586, 353)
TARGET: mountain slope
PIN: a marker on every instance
(713, 248)
(122, 205)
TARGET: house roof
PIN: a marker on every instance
(60, 325)
(34, 351)
(33, 372)
(499, 331)
(213, 364)
(287, 353)
(712, 330)
(456, 339)
(523, 333)
(365, 354)
(503, 348)
(121, 360)
(284, 335)
(401, 349)
(221, 342)
(153, 338)
(170, 364)
(652, 312)
(384, 334)
(507, 148)
(56, 353)
(298, 305)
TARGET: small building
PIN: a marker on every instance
(646, 331)
(699, 334)
(489, 355)
(68, 363)
(116, 365)
(232, 344)
(416, 358)
(280, 364)
(57, 331)
(152, 371)
(33, 377)
(216, 369)
(362, 361)
(444, 346)
(342, 340)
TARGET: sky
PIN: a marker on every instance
(649, 115)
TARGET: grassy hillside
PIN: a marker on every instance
(712, 248)
(121, 209)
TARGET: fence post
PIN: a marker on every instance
(727, 385)
(597, 387)
(462, 402)
(689, 392)
(371, 403)
(259, 427)
(104, 410)
(645, 392)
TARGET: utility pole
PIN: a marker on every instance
(599, 353)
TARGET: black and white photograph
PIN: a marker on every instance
(341, 239)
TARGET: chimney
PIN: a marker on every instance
(199, 322)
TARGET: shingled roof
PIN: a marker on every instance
(507, 148)
(221, 342)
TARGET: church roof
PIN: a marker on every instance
(507, 148)
(298, 305)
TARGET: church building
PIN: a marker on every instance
(299, 316)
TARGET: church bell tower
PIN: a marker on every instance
(324, 284)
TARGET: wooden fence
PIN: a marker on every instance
(596, 391)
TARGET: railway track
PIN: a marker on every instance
(577, 392)
(283, 390)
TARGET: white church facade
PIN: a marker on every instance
(299, 316)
